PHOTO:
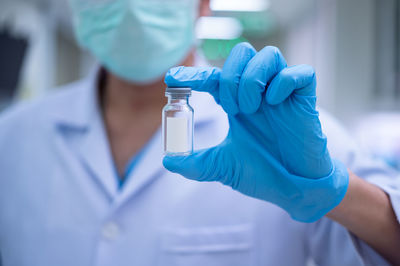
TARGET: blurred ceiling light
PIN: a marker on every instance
(221, 28)
(240, 5)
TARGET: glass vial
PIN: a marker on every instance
(177, 122)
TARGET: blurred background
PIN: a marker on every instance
(354, 45)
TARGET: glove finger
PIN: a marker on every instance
(261, 69)
(198, 166)
(204, 79)
(298, 79)
(230, 76)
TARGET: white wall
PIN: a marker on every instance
(338, 39)
(355, 57)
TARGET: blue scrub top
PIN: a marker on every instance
(130, 167)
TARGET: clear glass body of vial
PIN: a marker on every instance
(177, 122)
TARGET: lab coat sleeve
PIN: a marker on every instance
(331, 243)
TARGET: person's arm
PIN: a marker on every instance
(367, 212)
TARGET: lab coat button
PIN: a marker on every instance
(110, 231)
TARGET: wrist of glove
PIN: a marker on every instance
(315, 197)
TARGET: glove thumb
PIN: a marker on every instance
(199, 166)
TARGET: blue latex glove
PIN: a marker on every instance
(275, 149)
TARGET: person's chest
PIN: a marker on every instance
(64, 216)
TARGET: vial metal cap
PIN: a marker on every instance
(179, 91)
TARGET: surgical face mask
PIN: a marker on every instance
(137, 40)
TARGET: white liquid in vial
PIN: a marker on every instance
(177, 134)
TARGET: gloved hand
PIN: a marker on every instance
(275, 149)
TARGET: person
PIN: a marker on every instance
(82, 180)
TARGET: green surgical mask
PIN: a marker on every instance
(137, 40)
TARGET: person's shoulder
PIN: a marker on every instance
(34, 111)
(341, 142)
(332, 126)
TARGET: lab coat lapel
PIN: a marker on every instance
(80, 123)
(96, 155)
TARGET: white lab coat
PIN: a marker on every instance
(60, 203)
